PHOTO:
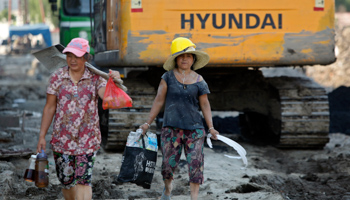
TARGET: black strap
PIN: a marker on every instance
(143, 141)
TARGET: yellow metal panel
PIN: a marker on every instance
(232, 32)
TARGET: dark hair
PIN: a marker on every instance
(194, 58)
(87, 56)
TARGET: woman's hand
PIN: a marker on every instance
(41, 145)
(114, 74)
(116, 79)
(144, 128)
(214, 133)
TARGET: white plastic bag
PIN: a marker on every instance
(133, 138)
(240, 150)
(150, 141)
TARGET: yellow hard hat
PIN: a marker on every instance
(180, 44)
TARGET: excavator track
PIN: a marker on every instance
(304, 118)
(304, 113)
(122, 121)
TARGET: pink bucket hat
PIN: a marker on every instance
(78, 46)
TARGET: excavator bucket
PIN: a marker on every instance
(52, 57)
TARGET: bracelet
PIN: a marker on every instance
(210, 129)
(147, 124)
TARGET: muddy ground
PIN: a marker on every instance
(272, 173)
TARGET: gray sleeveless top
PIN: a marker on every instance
(182, 105)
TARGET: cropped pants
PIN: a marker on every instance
(172, 142)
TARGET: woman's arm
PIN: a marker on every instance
(205, 107)
(101, 92)
(157, 105)
(48, 113)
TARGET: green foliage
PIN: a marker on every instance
(34, 11)
(35, 14)
(342, 5)
(4, 15)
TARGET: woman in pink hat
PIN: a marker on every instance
(72, 99)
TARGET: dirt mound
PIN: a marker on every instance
(337, 74)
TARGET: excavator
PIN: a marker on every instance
(241, 38)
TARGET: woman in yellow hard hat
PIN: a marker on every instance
(184, 93)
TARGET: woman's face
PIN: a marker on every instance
(74, 62)
(184, 61)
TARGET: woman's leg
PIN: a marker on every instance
(65, 174)
(74, 172)
(171, 149)
(168, 186)
(83, 175)
(194, 143)
(84, 192)
(78, 192)
(70, 194)
(194, 190)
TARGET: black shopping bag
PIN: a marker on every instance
(138, 165)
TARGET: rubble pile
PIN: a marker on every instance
(337, 74)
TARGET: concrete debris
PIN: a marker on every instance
(5, 153)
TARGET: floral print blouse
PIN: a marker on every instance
(76, 129)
